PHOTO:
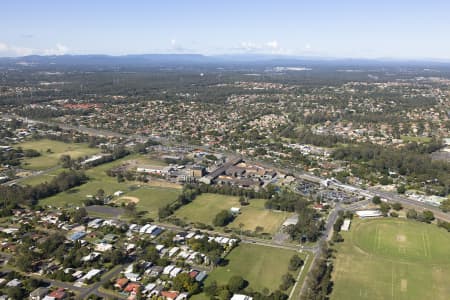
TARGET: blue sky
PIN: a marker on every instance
(333, 28)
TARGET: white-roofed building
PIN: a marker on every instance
(175, 272)
(346, 225)
(241, 297)
(168, 269)
(368, 213)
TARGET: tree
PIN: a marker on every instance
(16, 293)
(24, 261)
(397, 206)
(130, 209)
(259, 229)
(185, 283)
(337, 237)
(79, 214)
(151, 254)
(31, 153)
(223, 218)
(411, 214)
(140, 148)
(376, 200)
(443, 224)
(243, 201)
(427, 216)
(236, 283)
(384, 207)
(287, 280)
(224, 294)
(120, 178)
(401, 189)
(211, 289)
(445, 205)
(100, 194)
(115, 256)
(65, 161)
(385, 180)
(295, 262)
(338, 224)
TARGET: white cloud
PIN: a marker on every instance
(250, 46)
(21, 51)
(59, 49)
(12, 50)
(267, 47)
(272, 44)
(176, 47)
(270, 47)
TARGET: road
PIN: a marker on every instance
(297, 280)
(327, 233)
(93, 288)
(244, 239)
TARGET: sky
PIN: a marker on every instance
(327, 28)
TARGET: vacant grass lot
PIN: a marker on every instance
(41, 178)
(392, 259)
(418, 139)
(150, 198)
(49, 160)
(261, 266)
(205, 207)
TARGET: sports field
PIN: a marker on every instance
(392, 259)
(50, 159)
(205, 207)
(149, 198)
(261, 266)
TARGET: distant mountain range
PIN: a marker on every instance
(186, 59)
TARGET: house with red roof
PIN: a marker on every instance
(121, 283)
(58, 294)
(170, 295)
(132, 287)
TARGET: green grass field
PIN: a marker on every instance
(418, 139)
(261, 266)
(49, 160)
(150, 198)
(205, 207)
(41, 178)
(392, 259)
(153, 198)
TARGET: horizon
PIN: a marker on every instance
(405, 30)
(241, 58)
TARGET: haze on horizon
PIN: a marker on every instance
(325, 28)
